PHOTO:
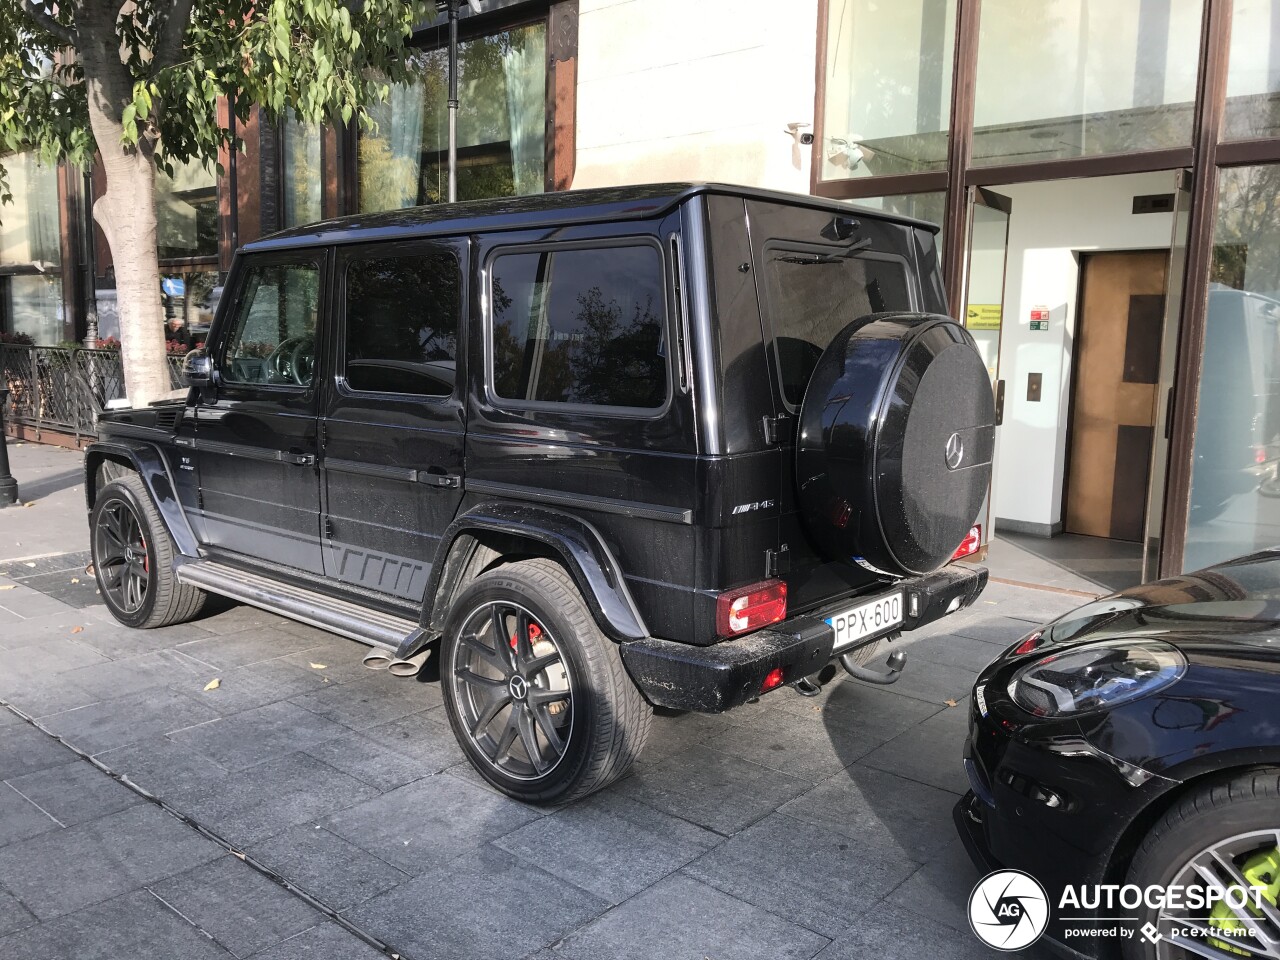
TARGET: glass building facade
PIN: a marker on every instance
(924, 106)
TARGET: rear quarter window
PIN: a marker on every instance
(584, 326)
(814, 294)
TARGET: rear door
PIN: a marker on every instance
(393, 424)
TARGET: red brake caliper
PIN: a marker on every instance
(535, 632)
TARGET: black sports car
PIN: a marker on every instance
(1127, 756)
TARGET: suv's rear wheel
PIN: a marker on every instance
(133, 559)
(537, 696)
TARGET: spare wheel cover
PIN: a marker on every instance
(893, 455)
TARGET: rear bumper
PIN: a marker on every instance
(725, 675)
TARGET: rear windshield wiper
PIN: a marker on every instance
(823, 258)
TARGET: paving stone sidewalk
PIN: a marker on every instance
(789, 828)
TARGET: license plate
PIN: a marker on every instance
(866, 620)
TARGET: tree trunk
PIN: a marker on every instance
(126, 212)
(127, 215)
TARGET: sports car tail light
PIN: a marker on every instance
(751, 607)
(970, 544)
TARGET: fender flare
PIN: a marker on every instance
(574, 541)
(152, 467)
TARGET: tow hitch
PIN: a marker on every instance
(897, 660)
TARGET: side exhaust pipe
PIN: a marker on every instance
(378, 659)
(410, 667)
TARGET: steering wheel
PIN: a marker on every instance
(292, 362)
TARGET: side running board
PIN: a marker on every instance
(307, 606)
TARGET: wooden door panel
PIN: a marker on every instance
(1113, 408)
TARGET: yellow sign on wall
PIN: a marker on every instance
(982, 316)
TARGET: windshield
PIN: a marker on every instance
(813, 296)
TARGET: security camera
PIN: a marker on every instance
(794, 130)
(847, 151)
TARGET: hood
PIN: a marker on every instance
(1234, 604)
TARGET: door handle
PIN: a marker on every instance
(300, 459)
(450, 481)
(999, 402)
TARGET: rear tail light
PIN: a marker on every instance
(750, 608)
(970, 544)
(772, 680)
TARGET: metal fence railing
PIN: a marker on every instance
(65, 388)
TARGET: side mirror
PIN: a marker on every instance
(197, 368)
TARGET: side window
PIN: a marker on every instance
(273, 336)
(402, 323)
(580, 326)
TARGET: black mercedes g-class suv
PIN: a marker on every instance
(673, 445)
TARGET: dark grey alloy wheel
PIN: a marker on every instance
(133, 558)
(120, 556)
(512, 688)
(537, 696)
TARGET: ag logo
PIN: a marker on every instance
(1008, 910)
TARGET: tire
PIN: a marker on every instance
(1239, 818)
(572, 684)
(123, 508)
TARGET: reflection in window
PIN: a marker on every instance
(813, 296)
(888, 87)
(187, 212)
(1074, 78)
(1235, 483)
(501, 125)
(1253, 73)
(301, 183)
(580, 326)
(402, 323)
(190, 299)
(30, 254)
(274, 333)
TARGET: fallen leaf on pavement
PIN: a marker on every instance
(89, 570)
(75, 579)
(31, 503)
(8, 586)
(951, 703)
(77, 629)
(213, 684)
(29, 564)
(319, 666)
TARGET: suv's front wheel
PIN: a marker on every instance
(133, 559)
(537, 696)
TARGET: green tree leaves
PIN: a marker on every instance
(317, 60)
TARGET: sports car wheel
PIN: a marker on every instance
(1220, 844)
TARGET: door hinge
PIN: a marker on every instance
(777, 429)
(777, 563)
(328, 527)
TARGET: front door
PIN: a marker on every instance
(394, 425)
(1117, 364)
(256, 434)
